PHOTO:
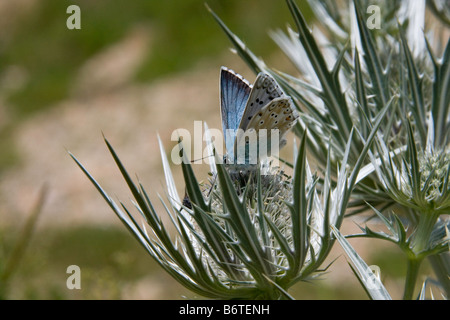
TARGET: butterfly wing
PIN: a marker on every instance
(279, 114)
(234, 94)
(264, 91)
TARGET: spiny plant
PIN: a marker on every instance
(375, 117)
(241, 244)
(346, 74)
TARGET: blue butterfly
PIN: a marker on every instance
(246, 108)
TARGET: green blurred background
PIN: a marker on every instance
(134, 69)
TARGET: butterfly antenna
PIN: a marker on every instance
(203, 158)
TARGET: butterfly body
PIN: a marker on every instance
(255, 119)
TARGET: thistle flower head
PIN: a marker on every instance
(276, 193)
(434, 170)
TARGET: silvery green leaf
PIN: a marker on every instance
(371, 283)
(170, 183)
(211, 149)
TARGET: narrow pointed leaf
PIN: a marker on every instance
(370, 282)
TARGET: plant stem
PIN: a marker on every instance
(411, 277)
(427, 220)
(421, 240)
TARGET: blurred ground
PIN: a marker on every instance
(103, 95)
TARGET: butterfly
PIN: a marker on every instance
(247, 109)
